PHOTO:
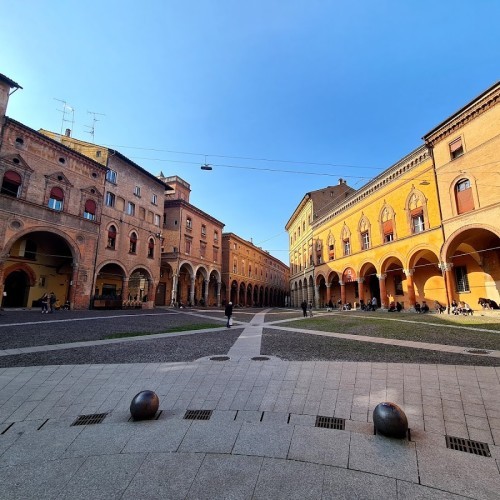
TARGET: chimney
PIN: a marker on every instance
(68, 132)
(341, 181)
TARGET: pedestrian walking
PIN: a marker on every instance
(303, 305)
(229, 312)
(311, 309)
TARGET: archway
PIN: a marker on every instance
(16, 289)
(321, 284)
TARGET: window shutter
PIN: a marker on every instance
(465, 202)
(417, 211)
(57, 193)
(13, 177)
(456, 144)
(387, 227)
(90, 207)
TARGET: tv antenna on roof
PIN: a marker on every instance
(68, 115)
(94, 121)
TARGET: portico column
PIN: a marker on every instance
(383, 291)
(316, 296)
(205, 298)
(361, 289)
(411, 289)
(72, 285)
(342, 292)
(174, 290)
(328, 293)
(219, 283)
(191, 290)
(124, 288)
(448, 277)
(2, 267)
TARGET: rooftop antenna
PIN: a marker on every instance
(68, 116)
(94, 121)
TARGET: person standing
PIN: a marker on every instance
(304, 308)
(229, 312)
(52, 301)
(45, 301)
(310, 309)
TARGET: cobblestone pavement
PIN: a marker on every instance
(261, 439)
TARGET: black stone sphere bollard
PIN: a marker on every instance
(144, 405)
(390, 420)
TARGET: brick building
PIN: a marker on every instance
(251, 276)
(191, 263)
(50, 211)
(77, 219)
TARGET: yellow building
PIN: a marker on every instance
(383, 241)
(466, 149)
(426, 229)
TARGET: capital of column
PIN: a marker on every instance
(361, 280)
(341, 283)
(408, 272)
(381, 276)
(445, 266)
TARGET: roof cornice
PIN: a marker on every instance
(476, 107)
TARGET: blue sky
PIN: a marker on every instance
(330, 88)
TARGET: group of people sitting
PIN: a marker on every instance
(395, 307)
(424, 308)
(461, 308)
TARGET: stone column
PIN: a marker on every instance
(361, 290)
(316, 297)
(191, 290)
(125, 288)
(205, 298)
(72, 285)
(383, 291)
(328, 293)
(219, 283)
(2, 267)
(449, 281)
(342, 292)
(174, 290)
(411, 289)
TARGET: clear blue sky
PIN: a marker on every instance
(344, 83)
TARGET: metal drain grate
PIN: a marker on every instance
(95, 418)
(220, 358)
(330, 422)
(474, 447)
(198, 414)
(260, 358)
(478, 351)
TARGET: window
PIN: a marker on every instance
(417, 221)
(365, 240)
(11, 184)
(318, 259)
(235, 266)
(203, 249)
(216, 254)
(388, 230)
(133, 243)
(463, 196)
(347, 247)
(154, 199)
(216, 236)
(151, 248)
(398, 285)
(111, 237)
(456, 148)
(137, 191)
(56, 199)
(157, 220)
(189, 223)
(111, 176)
(203, 230)
(90, 210)
(188, 246)
(461, 279)
(98, 154)
(131, 208)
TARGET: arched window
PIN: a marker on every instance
(416, 213)
(11, 184)
(151, 248)
(133, 243)
(364, 233)
(189, 223)
(387, 224)
(346, 240)
(463, 196)
(112, 237)
(56, 198)
(90, 210)
(331, 247)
